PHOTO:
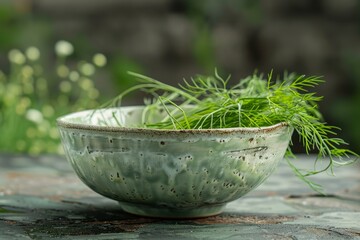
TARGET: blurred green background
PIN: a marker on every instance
(168, 40)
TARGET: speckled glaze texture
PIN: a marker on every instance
(169, 173)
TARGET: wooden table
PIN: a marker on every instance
(41, 198)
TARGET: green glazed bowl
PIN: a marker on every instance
(168, 173)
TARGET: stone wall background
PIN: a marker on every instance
(172, 39)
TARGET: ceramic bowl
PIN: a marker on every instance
(168, 173)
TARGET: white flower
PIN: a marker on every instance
(65, 86)
(62, 71)
(64, 48)
(99, 60)
(74, 76)
(16, 57)
(32, 53)
(34, 115)
(87, 69)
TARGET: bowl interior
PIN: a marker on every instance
(114, 117)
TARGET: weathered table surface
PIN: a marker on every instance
(41, 198)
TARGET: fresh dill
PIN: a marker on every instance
(207, 102)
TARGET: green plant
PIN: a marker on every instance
(8, 34)
(203, 48)
(32, 97)
(118, 69)
(345, 108)
(205, 15)
(253, 102)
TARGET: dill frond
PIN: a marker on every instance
(206, 102)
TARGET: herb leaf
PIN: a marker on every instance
(206, 102)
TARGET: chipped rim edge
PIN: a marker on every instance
(61, 122)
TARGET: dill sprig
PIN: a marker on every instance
(206, 102)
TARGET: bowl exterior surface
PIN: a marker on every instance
(173, 173)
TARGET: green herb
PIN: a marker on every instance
(206, 102)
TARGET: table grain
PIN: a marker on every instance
(42, 198)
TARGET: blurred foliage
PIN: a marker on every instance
(20, 28)
(203, 47)
(17, 28)
(30, 102)
(205, 14)
(119, 68)
(251, 11)
(346, 108)
(213, 10)
(35, 89)
(8, 34)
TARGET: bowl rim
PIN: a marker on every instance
(62, 123)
